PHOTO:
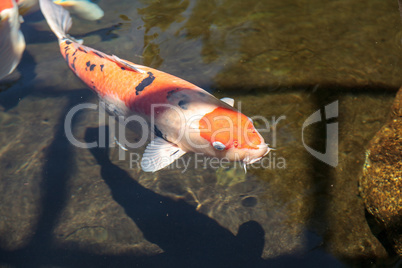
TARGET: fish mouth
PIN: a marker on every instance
(264, 147)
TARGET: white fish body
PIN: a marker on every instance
(12, 42)
(84, 9)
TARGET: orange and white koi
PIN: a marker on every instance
(12, 42)
(183, 117)
(82, 8)
(85, 9)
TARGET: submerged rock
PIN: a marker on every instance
(381, 183)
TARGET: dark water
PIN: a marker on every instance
(63, 206)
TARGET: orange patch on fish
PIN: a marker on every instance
(109, 77)
(229, 127)
(6, 4)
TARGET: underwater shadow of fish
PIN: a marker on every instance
(106, 34)
(186, 236)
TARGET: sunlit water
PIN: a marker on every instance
(280, 60)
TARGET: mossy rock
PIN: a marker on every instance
(381, 182)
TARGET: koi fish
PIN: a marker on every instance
(12, 42)
(183, 117)
(84, 9)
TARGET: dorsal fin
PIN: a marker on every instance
(114, 58)
(228, 101)
(125, 64)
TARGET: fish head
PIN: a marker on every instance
(232, 135)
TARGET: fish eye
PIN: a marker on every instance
(219, 145)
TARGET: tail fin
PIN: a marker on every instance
(57, 17)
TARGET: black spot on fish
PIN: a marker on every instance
(92, 67)
(175, 152)
(97, 54)
(73, 64)
(159, 133)
(67, 59)
(68, 42)
(123, 68)
(81, 49)
(172, 95)
(184, 104)
(202, 94)
(74, 53)
(88, 63)
(144, 83)
(102, 67)
(171, 92)
(94, 87)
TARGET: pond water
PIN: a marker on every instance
(63, 206)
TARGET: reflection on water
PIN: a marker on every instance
(65, 206)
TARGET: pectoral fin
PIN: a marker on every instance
(228, 101)
(159, 154)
